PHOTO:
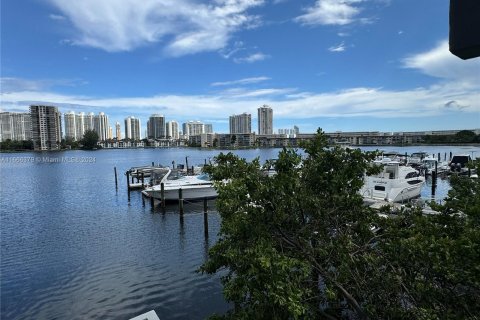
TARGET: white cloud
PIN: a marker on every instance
(339, 48)
(56, 17)
(440, 63)
(185, 26)
(330, 12)
(241, 81)
(252, 58)
(354, 102)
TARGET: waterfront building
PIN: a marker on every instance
(80, 125)
(89, 122)
(241, 123)
(110, 133)
(203, 140)
(15, 126)
(118, 132)
(207, 128)
(132, 128)
(265, 120)
(193, 128)
(100, 124)
(156, 128)
(172, 130)
(70, 127)
(235, 140)
(46, 127)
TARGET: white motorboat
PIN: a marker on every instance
(430, 163)
(194, 187)
(416, 158)
(395, 183)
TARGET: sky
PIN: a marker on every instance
(339, 65)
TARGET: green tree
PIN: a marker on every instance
(300, 244)
(465, 136)
(90, 139)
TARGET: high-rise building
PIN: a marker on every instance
(156, 127)
(89, 122)
(118, 131)
(100, 124)
(207, 128)
(46, 127)
(15, 126)
(172, 129)
(80, 125)
(110, 133)
(69, 125)
(241, 123)
(132, 128)
(193, 128)
(265, 120)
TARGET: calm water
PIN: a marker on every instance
(74, 248)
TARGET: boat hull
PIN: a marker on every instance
(188, 193)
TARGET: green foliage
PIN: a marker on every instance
(12, 145)
(90, 139)
(300, 243)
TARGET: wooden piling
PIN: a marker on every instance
(152, 200)
(180, 201)
(162, 194)
(445, 159)
(205, 216)
(434, 180)
(143, 180)
(450, 155)
(153, 164)
(186, 162)
(116, 180)
(439, 158)
(128, 180)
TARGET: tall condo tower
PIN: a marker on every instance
(156, 127)
(100, 124)
(132, 128)
(265, 120)
(172, 129)
(15, 126)
(46, 127)
(118, 131)
(70, 125)
(241, 123)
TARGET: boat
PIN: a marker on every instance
(429, 164)
(194, 187)
(458, 164)
(395, 183)
(416, 158)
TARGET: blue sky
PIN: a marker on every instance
(350, 65)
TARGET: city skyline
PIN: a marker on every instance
(372, 65)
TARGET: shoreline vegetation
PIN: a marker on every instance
(90, 139)
(302, 245)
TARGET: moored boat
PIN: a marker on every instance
(395, 183)
(194, 187)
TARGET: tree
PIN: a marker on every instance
(300, 244)
(90, 139)
(465, 136)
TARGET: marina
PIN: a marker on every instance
(74, 244)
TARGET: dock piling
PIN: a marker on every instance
(152, 200)
(143, 180)
(116, 179)
(128, 179)
(162, 194)
(180, 201)
(205, 216)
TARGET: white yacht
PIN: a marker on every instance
(416, 158)
(395, 183)
(194, 187)
(429, 163)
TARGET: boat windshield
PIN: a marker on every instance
(175, 175)
(204, 177)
